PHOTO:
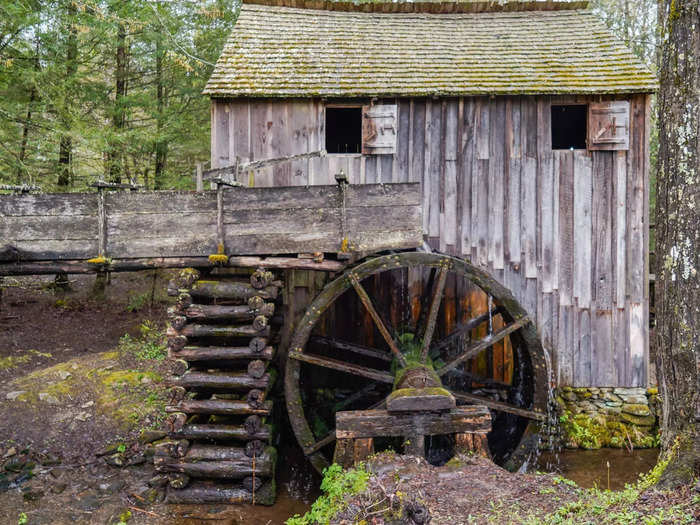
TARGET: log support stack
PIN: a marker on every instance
(221, 346)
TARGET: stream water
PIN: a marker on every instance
(589, 468)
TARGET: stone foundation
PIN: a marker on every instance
(608, 417)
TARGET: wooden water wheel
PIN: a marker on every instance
(398, 332)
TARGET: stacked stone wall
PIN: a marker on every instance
(593, 417)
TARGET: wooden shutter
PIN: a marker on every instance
(609, 125)
(379, 129)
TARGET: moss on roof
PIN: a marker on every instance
(294, 52)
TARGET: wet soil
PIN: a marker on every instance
(42, 324)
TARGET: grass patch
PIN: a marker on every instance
(337, 486)
(149, 345)
(614, 507)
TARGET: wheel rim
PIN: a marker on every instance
(532, 359)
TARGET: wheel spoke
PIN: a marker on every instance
(466, 397)
(354, 397)
(326, 440)
(351, 347)
(483, 344)
(465, 328)
(367, 302)
(432, 315)
(423, 314)
(334, 364)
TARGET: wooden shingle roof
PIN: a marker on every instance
(512, 48)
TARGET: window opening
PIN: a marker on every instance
(569, 126)
(344, 130)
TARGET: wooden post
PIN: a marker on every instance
(415, 445)
(102, 223)
(199, 181)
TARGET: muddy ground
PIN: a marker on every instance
(80, 404)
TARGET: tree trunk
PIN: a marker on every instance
(114, 157)
(161, 144)
(33, 95)
(65, 151)
(678, 238)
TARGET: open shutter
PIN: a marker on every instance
(609, 125)
(379, 129)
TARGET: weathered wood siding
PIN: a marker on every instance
(175, 224)
(566, 231)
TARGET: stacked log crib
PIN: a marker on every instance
(219, 447)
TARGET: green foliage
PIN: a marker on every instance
(124, 517)
(22, 520)
(60, 112)
(149, 345)
(337, 485)
(594, 432)
(137, 301)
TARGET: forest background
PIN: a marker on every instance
(111, 90)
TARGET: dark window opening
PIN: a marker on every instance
(344, 130)
(569, 127)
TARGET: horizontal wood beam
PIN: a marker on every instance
(376, 423)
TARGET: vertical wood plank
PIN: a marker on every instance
(603, 372)
(546, 209)
(566, 227)
(565, 347)
(582, 228)
(635, 208)
(459, 187)
(556, 250)
(435, 169)
(418, 141)
(528, 215)
(402, 141)
(637, 358)
(221, 132)
(449, 211)
(512, 243)
(620, 227)
(282, 143)
(427, 161)
(497, 138)
(621, 346)
(582, 366)
(467, 172)
(300, 125)
(601, 221)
